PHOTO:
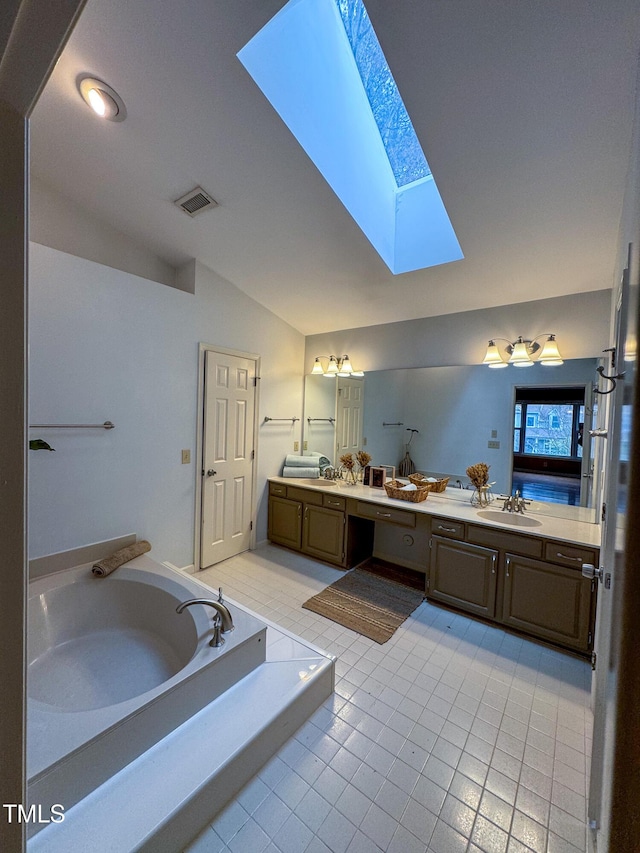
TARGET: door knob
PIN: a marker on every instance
(590, 571)
(211, 472)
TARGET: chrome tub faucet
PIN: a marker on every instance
(222, 620)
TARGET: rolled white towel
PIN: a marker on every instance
(410, 488)
(308, 473)
(322, 460)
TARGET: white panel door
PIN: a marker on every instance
(613, 559)
(227, 456)
(349, 415)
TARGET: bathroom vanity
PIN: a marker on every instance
(520, 571)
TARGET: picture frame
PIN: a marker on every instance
(377, 477)
(390, 471)
(366, 474)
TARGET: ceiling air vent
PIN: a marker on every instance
(196, 201)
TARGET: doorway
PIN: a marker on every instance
(551, 446)
(226, 450)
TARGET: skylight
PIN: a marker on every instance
(398, 136)
(321, 66)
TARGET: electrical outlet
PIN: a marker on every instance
(296, 445)
(494, 433)
(186, 457)
(305, 445)
(493, 445)
(364, 442)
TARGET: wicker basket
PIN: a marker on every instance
(394, 489)
(421, 480)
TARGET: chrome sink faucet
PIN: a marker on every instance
(514, 503)
(221, 621)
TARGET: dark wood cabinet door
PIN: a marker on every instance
(549, 601)
(323, 533)
(463, 576)
(285, 522)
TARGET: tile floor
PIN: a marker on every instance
(452, 737)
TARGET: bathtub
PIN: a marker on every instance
(113, 669)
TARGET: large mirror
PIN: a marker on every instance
(529, 424)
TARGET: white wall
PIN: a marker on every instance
(581, 323)
(107, 345)
(60, 223)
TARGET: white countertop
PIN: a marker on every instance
(448, 506)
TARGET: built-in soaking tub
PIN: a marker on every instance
(113, 669)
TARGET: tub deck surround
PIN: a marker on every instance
(85, 736)
(113, 669)
(160, 801)
(569, 530)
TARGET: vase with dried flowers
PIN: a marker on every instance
(348, 466)
(363, 459)
(479, 476)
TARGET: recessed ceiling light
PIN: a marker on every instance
(103, 100)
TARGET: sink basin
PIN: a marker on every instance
(311, 481)
(512, 518)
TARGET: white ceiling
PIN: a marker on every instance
(524, 110)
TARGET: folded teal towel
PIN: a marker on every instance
(297, 471)
(293, 460)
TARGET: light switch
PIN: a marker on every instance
(493, 445)
(186, 457)
(296, 445)
(305, 446)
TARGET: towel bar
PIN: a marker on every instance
(105, 425)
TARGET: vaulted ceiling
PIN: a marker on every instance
(524, 111)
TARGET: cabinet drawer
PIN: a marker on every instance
(333, 502)
(278, 489)
(569, 555)
(308, 496)
(446, 527)
(494, 538)
(386, 513)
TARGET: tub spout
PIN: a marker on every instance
(221, 609)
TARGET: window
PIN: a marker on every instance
(321, 66)
(552, 427)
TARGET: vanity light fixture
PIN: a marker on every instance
(103, 100)
(521, 351)
(337, 366)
